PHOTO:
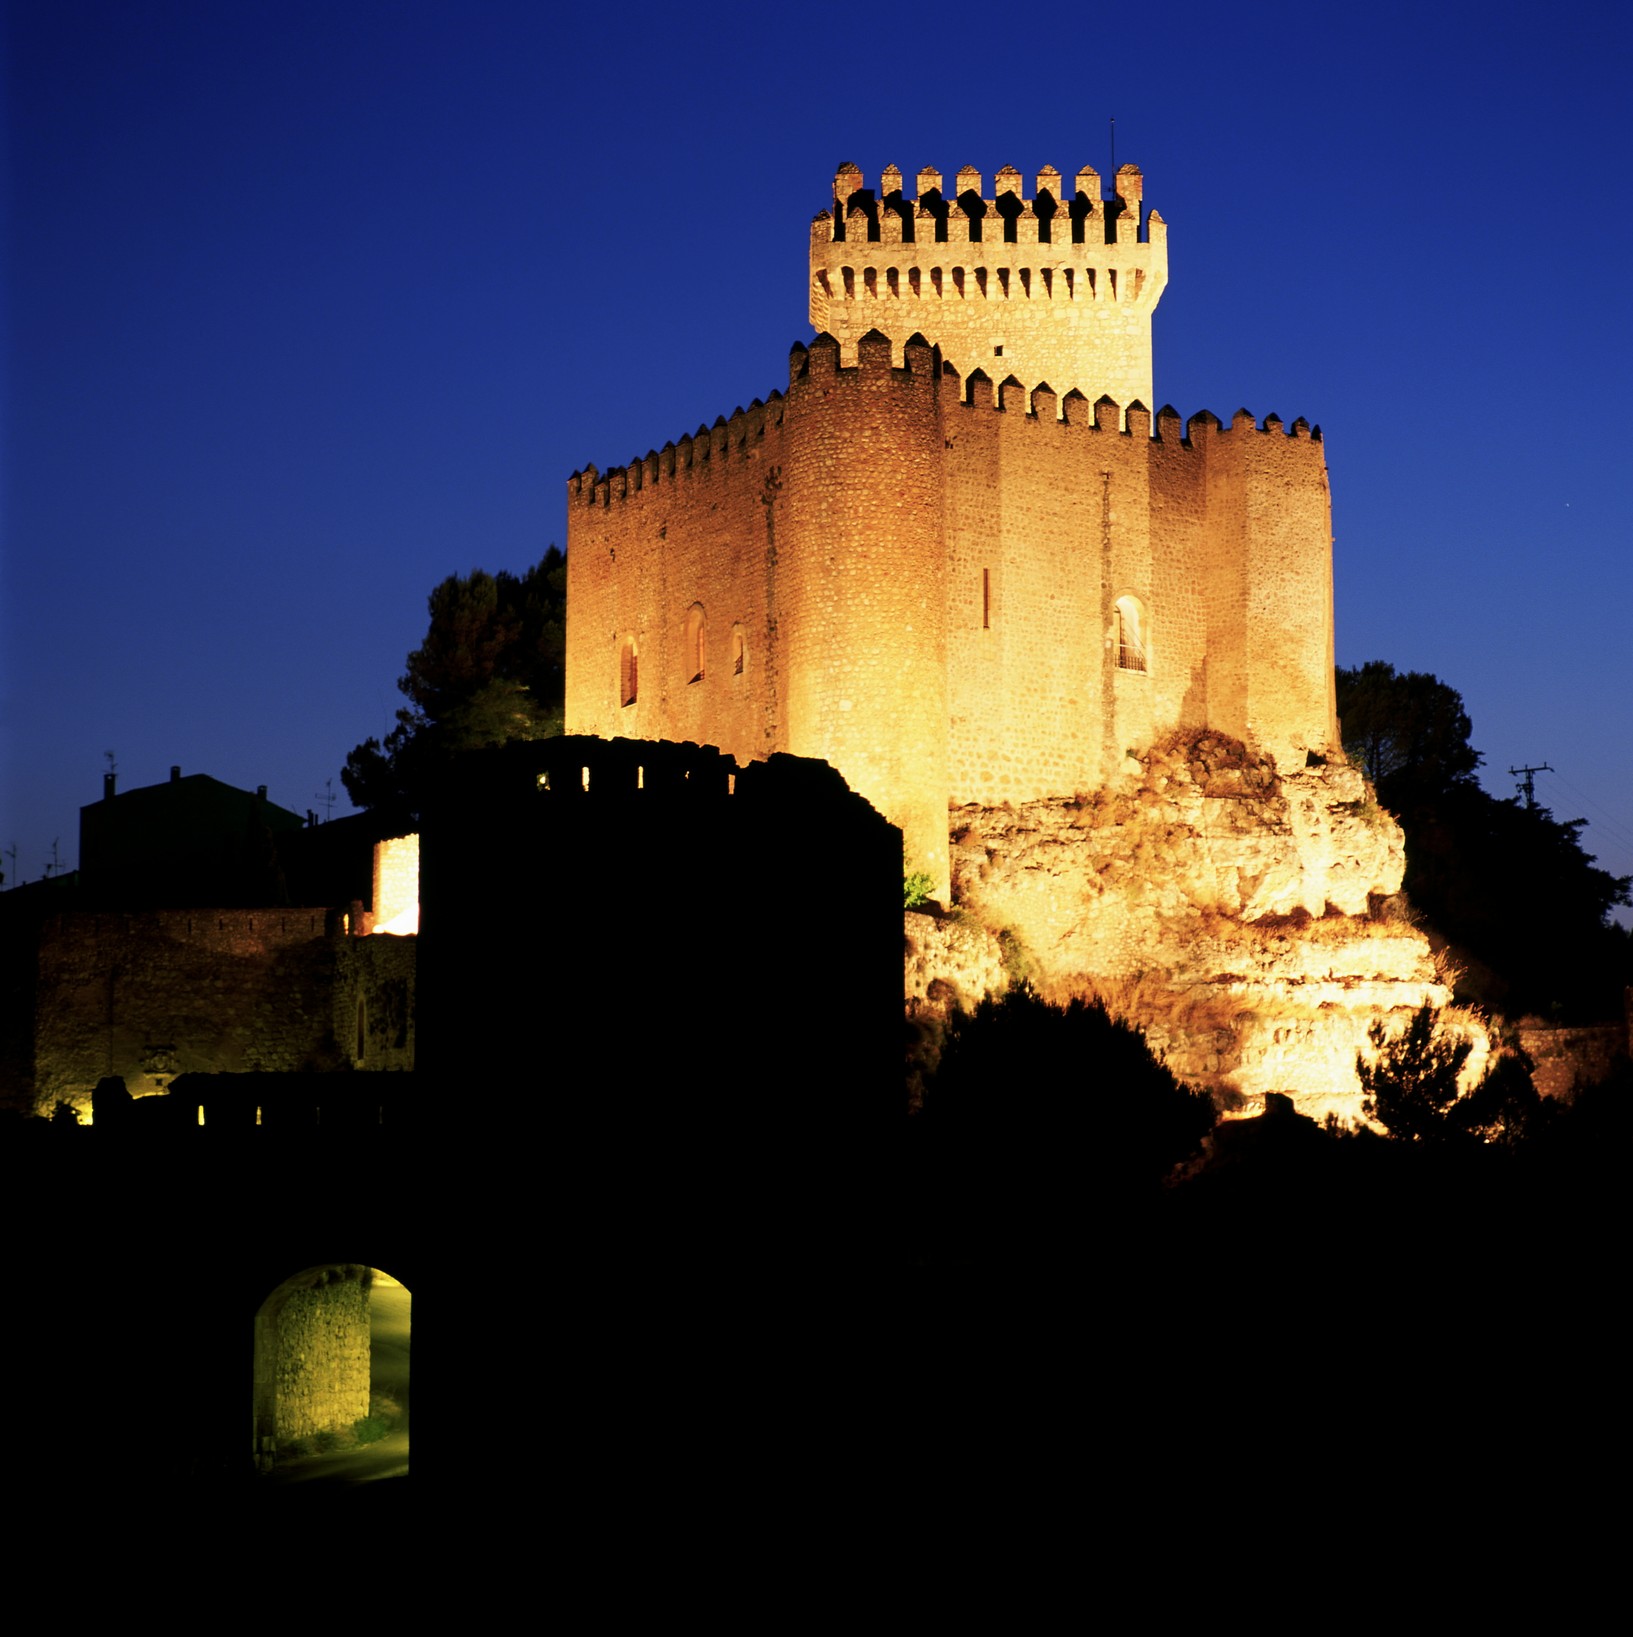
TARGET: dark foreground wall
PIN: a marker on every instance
(658, 1024)
(640, 944)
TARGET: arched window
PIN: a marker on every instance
(1130, 634)
(739, 651)
(628, 672)
(694, 649)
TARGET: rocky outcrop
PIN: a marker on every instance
(1244, 916)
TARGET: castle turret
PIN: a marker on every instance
(1045, 289)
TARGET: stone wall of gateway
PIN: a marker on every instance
(312, 1355)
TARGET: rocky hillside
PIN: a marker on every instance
(1245, 917)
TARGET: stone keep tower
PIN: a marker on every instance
(1054, 290)
(960, 559)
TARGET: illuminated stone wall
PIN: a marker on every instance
(312, 1355)
(927, 570)
(397, 885)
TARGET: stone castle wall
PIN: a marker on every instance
(924, 573)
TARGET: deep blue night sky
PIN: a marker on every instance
(308, 306)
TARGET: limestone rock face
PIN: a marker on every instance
(1238, 913)
(950, 962)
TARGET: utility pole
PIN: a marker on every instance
(1528, 783)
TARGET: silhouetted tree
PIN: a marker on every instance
(492, 668)
(1405, 729)
(1411, 1083)
(1508, 885)
(1065, 1094)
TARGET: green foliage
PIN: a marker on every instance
(492, 668)
(1017, 958)
(383, 1415)
(916, 888)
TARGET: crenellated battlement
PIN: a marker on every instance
(729, 435)
(1060, 283)
(1071, 412)
(1085, 216)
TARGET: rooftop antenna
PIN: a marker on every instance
(327, 797)
(11, 853)
(1528, 783)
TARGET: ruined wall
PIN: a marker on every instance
(312, 1355)
(1565, 1059)
(1056, 289)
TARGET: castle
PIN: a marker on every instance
(959, 558)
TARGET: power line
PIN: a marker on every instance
(1608, 820)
